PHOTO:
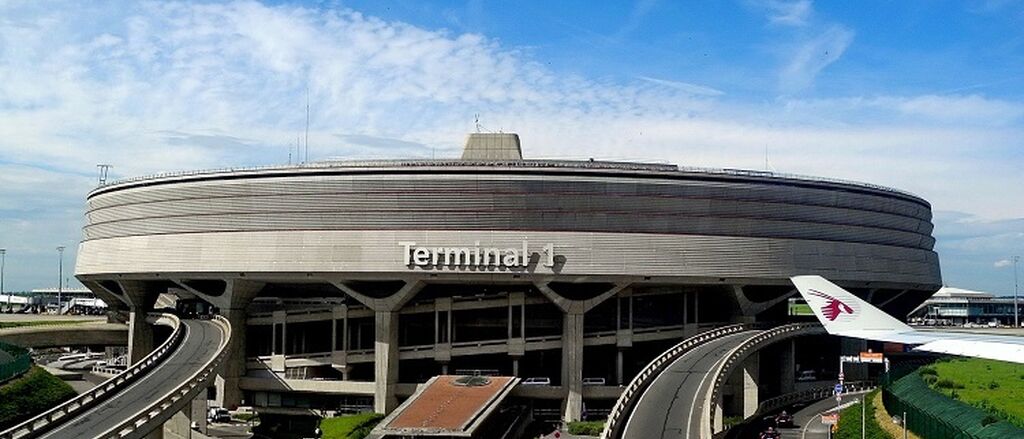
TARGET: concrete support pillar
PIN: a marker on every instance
(277, 359)
(140, 335)
(788, 367)
(385, 355)
(515, 366)
(619, 366)
(572, 365)
(233, 368)
(751, 378)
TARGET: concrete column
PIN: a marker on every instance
(233, 368)
(140, 335)
(277, 360)
(572, 365)
(788, 367)
(385, 355)
(515, 366)
(619, 366)
(750, 376)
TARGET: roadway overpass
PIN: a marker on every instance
(137, 402)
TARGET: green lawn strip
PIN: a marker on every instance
(993, 386)
(349, 426)
(586, 428)
(19, 324)
(800, 309)
(31, 394)
(850, 421)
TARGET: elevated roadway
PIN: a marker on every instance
(674, 405)
(139, 400)
(93, 333)
(678, 395)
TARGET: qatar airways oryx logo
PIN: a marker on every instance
(833, 307)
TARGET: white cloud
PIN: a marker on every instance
(789, 13)
(1003, 263)
(811, 56)
(173, 86)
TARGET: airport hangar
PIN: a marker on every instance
(348, 283)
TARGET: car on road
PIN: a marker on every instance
(536, 381)
(218, 414)
(593, 381)
(807, 375)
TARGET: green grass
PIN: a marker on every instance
(800, 309)
(31, 394)
(349, 426)
(19, 324)
(586, 428)
(849, 421)
(993, 386)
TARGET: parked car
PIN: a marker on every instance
(593, 381)
(807, 375)
(218, 414)
(536, 381)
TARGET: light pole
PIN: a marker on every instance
(1016, 316)
(3, 257)
(60, 276)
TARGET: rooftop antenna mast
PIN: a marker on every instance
(476, 121)
(103, 170)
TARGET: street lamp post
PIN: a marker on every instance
(1016, 316)
(60, 276)
(3, 260)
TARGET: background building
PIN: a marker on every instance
(956, 306)
(351, 282)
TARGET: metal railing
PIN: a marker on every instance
(741, 352)
(626, 402)
(815, 394)
(562, 164)
(152, 417)
(41, 423)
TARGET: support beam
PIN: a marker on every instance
(751, 309)
(385, 355)
(572, 366)
(140, 296)
(751, 378)
(233, 304)
(788, 367)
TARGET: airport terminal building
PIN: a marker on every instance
(350, 283)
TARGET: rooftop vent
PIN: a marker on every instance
(492, 146)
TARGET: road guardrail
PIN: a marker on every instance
(41, 423)
(627, 401)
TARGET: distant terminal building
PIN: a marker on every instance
(955, 306)
(350, 283)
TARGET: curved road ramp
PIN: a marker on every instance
(677, 394)
(139, 400)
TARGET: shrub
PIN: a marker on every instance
(992, 385)
(34, 392)
(946, 383)
(586, 428)
(928, 371)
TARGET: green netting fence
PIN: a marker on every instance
(16, 361)
(933, 415)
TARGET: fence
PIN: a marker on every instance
(18, 364)
(933, 415)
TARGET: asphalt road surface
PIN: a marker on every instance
(202, 338)
(672, 407)
(807, 421)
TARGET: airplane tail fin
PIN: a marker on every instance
(841, 312)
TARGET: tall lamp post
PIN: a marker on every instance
(3, 260)
(60, 276)
(1016, 316)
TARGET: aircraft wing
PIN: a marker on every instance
(844, 314)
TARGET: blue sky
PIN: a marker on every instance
(922, 96)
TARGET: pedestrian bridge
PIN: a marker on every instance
(679, 394)
(139, 400)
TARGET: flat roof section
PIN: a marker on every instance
(447, 405)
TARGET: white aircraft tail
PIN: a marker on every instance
(841, 312)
